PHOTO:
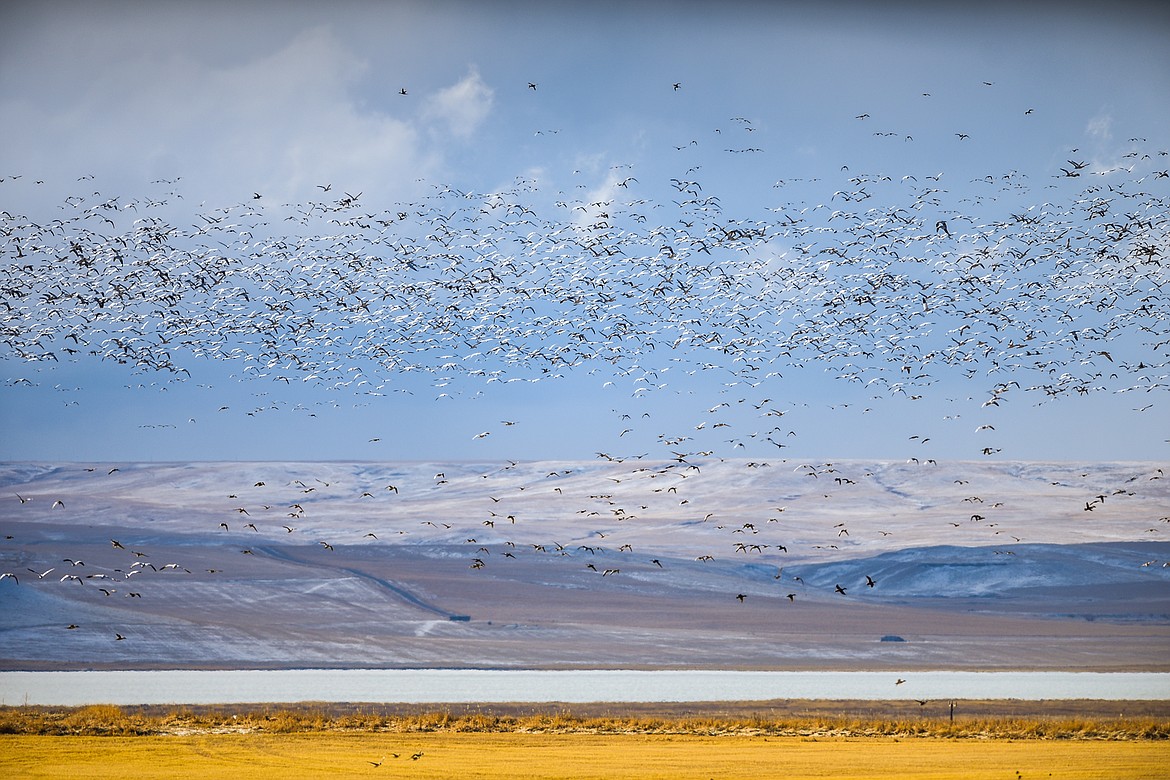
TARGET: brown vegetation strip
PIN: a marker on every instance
(1005, 720)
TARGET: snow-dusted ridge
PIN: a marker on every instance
(697, 562)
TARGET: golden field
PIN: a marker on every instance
(576, 755)
(109, 742)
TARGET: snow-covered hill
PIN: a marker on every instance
(686, 563)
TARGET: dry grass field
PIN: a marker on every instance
(577, 755)
(735, 740)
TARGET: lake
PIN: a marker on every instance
(438, 686)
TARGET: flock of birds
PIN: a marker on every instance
(1047, 286)
(889, 281)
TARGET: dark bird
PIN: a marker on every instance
(840, 590)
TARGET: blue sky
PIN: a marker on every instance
(832, 115)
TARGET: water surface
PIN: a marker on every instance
(438, 686)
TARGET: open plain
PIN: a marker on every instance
(596, 757)
(791, 739)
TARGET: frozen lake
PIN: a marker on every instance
(437, 686)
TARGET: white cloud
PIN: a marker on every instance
(279, 122)
(462, 107)
(1100, 127)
